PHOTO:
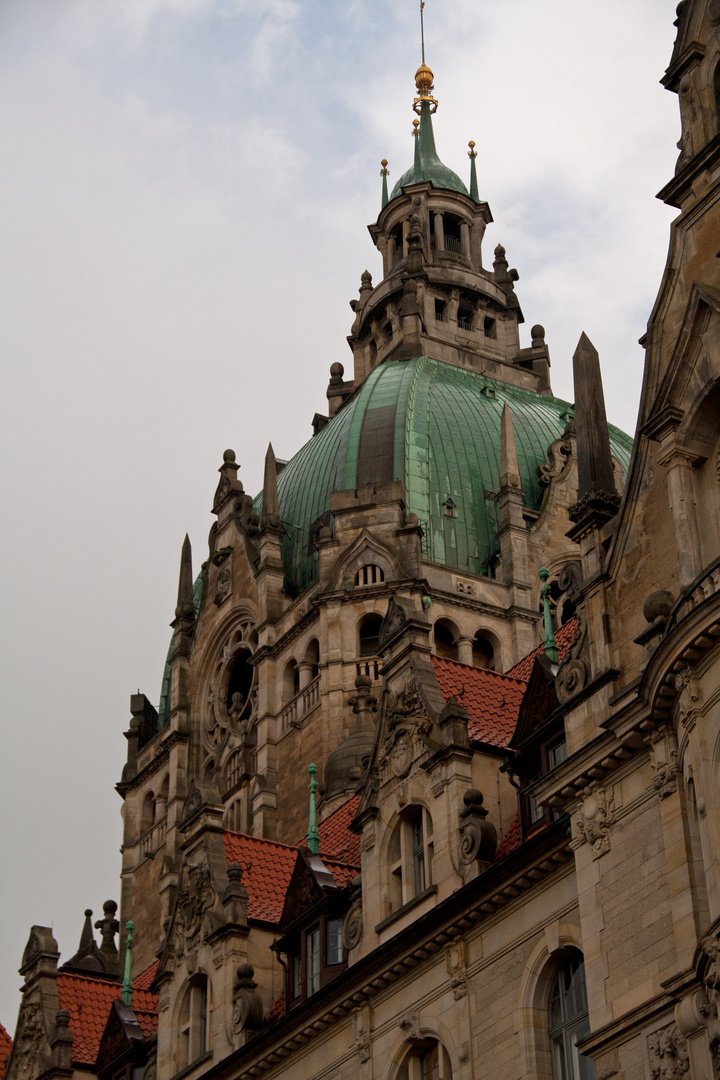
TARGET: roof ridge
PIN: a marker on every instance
(261, 839)
(89, 979)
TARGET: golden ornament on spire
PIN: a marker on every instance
(472, 152)
(424, 83)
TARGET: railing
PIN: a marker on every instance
(705, 585)
(301, 705)
(464, 324)
(151, 840)
(453, 244)
(370, 666)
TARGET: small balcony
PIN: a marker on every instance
(305, 702)
(153, 838)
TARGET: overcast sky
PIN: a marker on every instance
(185, 194)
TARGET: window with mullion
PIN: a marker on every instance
(568, 1021)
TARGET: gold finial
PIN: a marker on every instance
(423, 75)
(384, 169)
(472, 152)
(416, 128)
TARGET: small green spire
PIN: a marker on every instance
(127, 989)
(384, 174)
(551, 650)
(472, 154)
(313, 836)
(417, 163)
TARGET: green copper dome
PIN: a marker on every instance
(427, 165)
(436, 428)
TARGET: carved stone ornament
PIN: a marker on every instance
(392, 622)
(668, 1054)
(478, 837)
(31, 1052)
(593, 820)
(711, 980)
(573, 673)
(352, 931)
(230, 723)
(404, 713)
(195, 897)
(455, 964)
(689, 695)
(558, 454)
(663, 760)
(247, 1004)
(223, 584)
(410, 1027)
(361, 1033)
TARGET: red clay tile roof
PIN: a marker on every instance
(563, 640)
(88, 1001)
(143, 981)
(267, 869)
(5, 1048)
(278, 1008)
(511, 839)
(343, 873)
(336, 840)
(491, 699)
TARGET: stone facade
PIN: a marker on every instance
(529, 861)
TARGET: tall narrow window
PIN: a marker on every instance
(334, 941)
(568, 1021)
(193, 1040)
(430, 1064)
(418, 854)
(296, 975)
(313, 961)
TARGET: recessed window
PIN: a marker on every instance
(557, 753)
(568, 1021)
(370, 575)
(334, 941)
(440, 311)
(465, 318)
(445, 639)
(193, 1042)
(430, 1064)
(410, 856)
(483, 652)
(489, 327)
(313, 961)
(369, 635)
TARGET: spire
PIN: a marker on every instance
(185, 606)
(127, 987)
(417, 163)
(270, 515)
(384, 174)
(313, 836)
(551, 650)
(87, 938)
(472, 154)
(595, 467)
(509, 471)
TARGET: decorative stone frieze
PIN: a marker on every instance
(594, 817)
(668, 1054)
(663, 760)
(195, 897)
(404, 715)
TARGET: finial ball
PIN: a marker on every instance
(537, 331)
(473, 797)
(362, 681)
(384, 163)
(424, 79)
(471, 144)
(337, 369)
(229, 455)
(88, 912)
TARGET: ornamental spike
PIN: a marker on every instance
(127, 987)
(551, 649)
(472, 154)
(384, 174)
(313, 836)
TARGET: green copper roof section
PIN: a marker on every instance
(444, 443)
(427, 164)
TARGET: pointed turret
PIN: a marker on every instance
(88, 959)
(472, 154)
(384, 174)
(185, 610)
(270, 516)
(595, 467)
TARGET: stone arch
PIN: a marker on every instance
(446, 636)
(535, 984)
(147, 812)
(290, 680)
(486, 650)
(193, 1008)
(368, 633)
(418, 1032)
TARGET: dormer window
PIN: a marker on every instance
(313, 961)
(410, 857)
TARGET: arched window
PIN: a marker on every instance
(370, 575)
(410, 857)
(291, 681)
(312, 657)
(193, 1026)
(428, 1060)
(148, 812)
(238, 691)
(482, 652)
(369, 635)
(568, 1020)
(446, 639)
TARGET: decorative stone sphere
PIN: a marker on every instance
(473, 797)
(538, 331)
(337, 369)
(363, 680)
(229, 455)
(658, 605)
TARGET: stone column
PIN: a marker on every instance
(305, 671)
(682, 503)
(465, 650)
(439, 231)
(390, 255)
(465, 238)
